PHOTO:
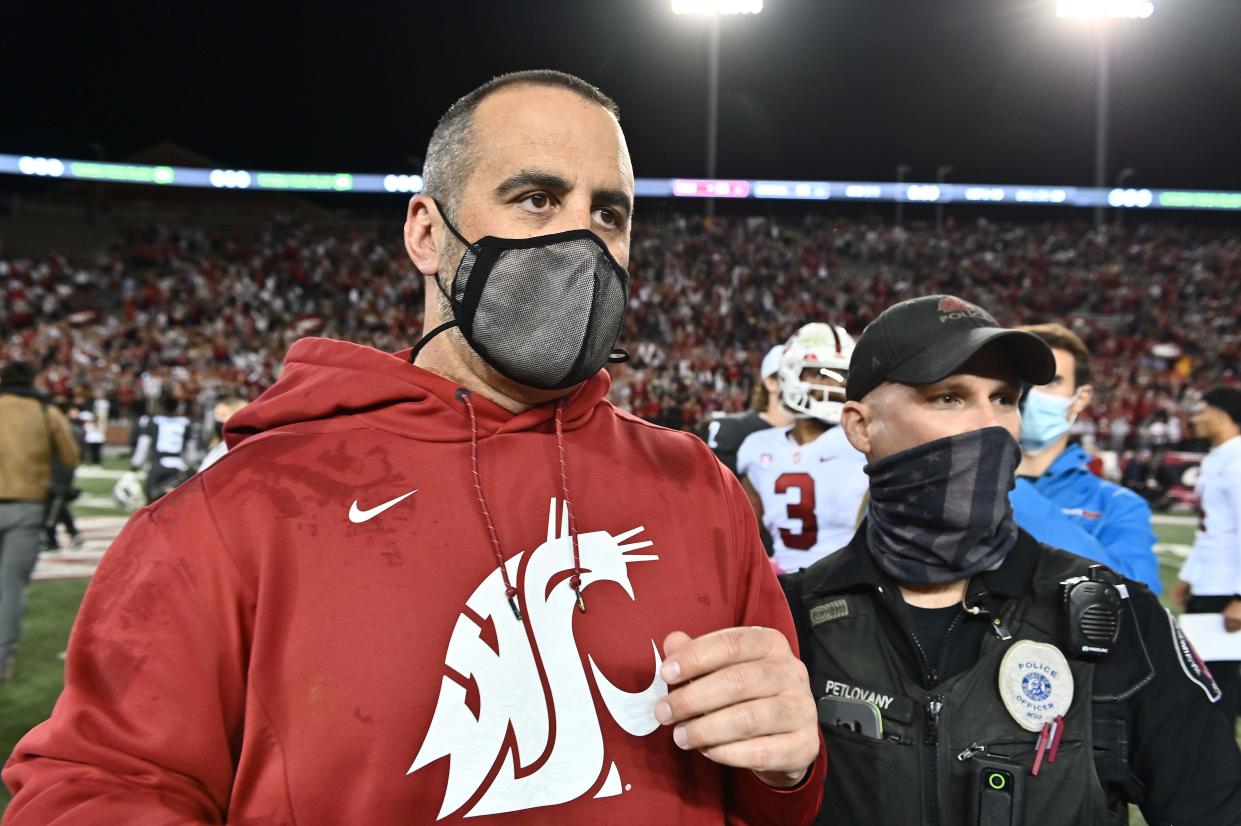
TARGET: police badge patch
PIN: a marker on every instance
(1193, 666)
(829, 611)
(1036, 684)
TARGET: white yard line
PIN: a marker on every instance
(98, 531)
(1173, 549)
(1171, 519)
(96, 472)
(95, 500)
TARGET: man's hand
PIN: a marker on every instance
(1180, 593)
(1232, 616)
(742, 699)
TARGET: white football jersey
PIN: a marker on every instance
(1214, 567)
(812, 494)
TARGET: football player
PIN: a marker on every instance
(724, 433)
(161, 449)
(805, 480)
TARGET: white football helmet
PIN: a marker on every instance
(820, 347)
(127, 492)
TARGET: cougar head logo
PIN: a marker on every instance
(511, 694)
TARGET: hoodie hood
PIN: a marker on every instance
(326, 380)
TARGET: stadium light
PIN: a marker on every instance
(1100, 9)
(714, 7)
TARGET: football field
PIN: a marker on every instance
(62, 576)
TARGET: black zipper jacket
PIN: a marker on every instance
(1155, 736)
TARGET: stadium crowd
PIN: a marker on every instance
(201, 313)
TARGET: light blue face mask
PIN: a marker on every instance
(1044, 419)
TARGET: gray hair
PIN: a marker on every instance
(451, 152)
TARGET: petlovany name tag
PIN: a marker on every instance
(1036, 684)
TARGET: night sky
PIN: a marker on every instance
(819, 89)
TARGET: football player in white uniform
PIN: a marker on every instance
(806, 481)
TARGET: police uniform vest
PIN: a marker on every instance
(925, 768)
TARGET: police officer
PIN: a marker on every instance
(966, 674)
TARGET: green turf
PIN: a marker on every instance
(1170, 564)
(99, 488)
(27, 699)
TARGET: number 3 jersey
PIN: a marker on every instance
(812, 494)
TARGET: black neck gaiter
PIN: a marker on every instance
(939, 512)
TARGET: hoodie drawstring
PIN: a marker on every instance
(510, 591)
(576, 580)
(464, 396)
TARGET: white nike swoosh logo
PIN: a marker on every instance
(358, 516)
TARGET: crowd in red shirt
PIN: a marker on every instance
(202, 313)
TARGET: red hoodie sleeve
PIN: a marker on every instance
(150, 720)
(760, 601)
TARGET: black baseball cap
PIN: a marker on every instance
(1227, 399)
(924, 340)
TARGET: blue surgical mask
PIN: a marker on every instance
(1044, 419)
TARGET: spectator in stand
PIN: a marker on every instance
(208, 308)
(32, 434)
(1056, 498)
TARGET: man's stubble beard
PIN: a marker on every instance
(450, 260)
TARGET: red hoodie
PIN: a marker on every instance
(315, 630)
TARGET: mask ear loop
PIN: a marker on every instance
(422, 342)
(1072, 401)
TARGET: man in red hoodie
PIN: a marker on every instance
(453, 582)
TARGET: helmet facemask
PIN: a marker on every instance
(813, 372)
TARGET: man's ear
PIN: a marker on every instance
(855, 419)
(421, 221)
(1085, 395)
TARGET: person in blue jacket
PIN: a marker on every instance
(1057, 499)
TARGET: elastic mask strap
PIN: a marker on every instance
(1072, 401)
(451, 228)
(484, 260)
(422, 342)
(619, 355)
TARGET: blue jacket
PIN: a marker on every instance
(1069, 507)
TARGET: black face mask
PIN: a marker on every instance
(543, 311)
(939, 512)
